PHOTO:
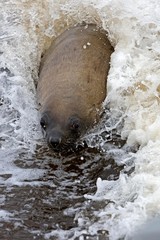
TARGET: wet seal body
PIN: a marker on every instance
(72, 84)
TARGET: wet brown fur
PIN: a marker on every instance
(73, 75)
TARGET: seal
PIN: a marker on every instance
(72, 84)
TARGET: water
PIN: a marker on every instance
(92, 194)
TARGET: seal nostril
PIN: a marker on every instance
(54, 142)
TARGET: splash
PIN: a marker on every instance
(27, 29)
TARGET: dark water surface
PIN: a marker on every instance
(58, 196)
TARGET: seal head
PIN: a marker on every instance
(61, 136)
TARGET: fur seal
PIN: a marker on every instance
(72, 84)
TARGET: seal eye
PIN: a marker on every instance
(43, 123)
(74, 124)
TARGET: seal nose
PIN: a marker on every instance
(54, 142)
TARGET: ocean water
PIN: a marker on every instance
(115, 206)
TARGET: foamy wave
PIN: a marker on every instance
(133, 91)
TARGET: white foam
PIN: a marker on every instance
(133, 89)
(5, 214)
(133, 85)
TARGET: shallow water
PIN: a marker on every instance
(45, 207)
(91, 194)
